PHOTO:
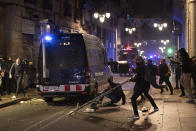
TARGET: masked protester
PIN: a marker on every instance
(164, 72)
(185, 78)
(18, 70)
(141, 86)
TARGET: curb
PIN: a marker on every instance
(12, 102)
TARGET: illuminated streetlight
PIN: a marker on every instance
(107, 15)
(160, 26)
(134, 29)
(165, 42)
(164, 24)
(96, 15)
(130, 30)
(162, 49)
(155, 25)
(126, 29)
(102, 19)
(137, 44)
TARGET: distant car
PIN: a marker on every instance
(76, 65)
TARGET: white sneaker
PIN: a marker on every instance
(13, 97)
(88, 110)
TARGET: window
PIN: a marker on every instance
(47, 4)
(31, 1)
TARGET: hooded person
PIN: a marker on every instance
(141, 86)
(185, 78)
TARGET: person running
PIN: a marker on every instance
(141, 86)
(165, 73)
(150, 76)
(18, 70)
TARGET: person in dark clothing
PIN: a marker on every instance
(30, 75)
(18, 70)
(150, 76)
(2, 75)
(115, 65)
(193, 74)
(9, 82)
(178, 72)
(111, 64)
(186, 73)
(116, 95)
(141, 86)
(165, 73)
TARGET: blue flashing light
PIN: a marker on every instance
(151, 57)
(48, 38)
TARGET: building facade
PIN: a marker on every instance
(20, 25)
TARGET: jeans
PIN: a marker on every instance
(137, 92)
(19, 85)
(185, 80)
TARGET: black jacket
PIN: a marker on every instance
(186, 65)
(163, 70)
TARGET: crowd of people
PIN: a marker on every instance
(185, 69)
(16, 76)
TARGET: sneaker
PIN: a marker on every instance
(13, 97)
(156, 109)
(182, 95)
(135, 117)
(190, 101)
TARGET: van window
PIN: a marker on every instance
(68, 52)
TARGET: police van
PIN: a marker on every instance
(75, 65)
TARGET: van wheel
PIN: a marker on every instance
(48, 99)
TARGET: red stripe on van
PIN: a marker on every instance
(67, 87)
(78, 87)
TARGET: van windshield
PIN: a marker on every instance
(67, 52)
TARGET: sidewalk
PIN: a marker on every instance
(6, 100)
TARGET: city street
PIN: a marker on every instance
(97, 65)
(35, 114)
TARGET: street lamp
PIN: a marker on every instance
(162, 49)
(102, 17)
(160, 26)
(96, 15)
(137, 44)
(130, 30)
(165, 42)
(107, 15)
